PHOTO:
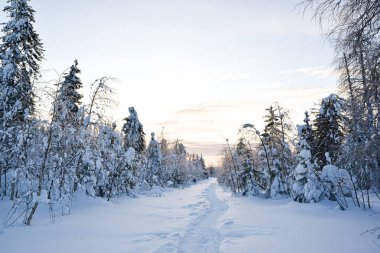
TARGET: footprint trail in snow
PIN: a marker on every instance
(202, 234)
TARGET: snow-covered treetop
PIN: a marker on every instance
(133, 122)
(21, 45)
(154, 152)
(331, 105)
(20, 53)
(133, 130)
(68, 99)
(179, 148)
(305, 133)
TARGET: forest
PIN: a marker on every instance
(336, 155)
(44, 159)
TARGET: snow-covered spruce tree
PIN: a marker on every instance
(133, 132)
(262, 175)
(68, 99)
(179, 164)
(154, 162)
(20, 54)
(301, 172)
(328, 135)
(202, 167)
(260, 172)
(280, 157)
(307, 187)
(166, 158)
(246, 169)
(134, 144)
(306, 132)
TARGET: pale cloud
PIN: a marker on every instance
(206, 148)
(199, 108)
(318, 71)
(206, 107)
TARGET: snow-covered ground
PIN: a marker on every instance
(201, 218)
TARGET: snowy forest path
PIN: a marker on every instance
(202, 234)
(200, 218)
(159, 221)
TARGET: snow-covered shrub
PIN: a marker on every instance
(337, 183)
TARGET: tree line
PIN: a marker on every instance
(46, 159)
(336, 155)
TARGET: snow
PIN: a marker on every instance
(330, 172)
(130, 155)
(300, 169)
(201, 218)
(43, 198)
(305, 154)
(202, 234)
(313, 190)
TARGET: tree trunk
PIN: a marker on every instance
(42, 173)
(13, 186)
(5, 183)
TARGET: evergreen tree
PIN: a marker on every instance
(306, 187)
(202, 165)
(20, 54)
(245, 163)
(179, 163)
(279, 153)
(306, 132)
(166, 159)
(133, 131)
(328, 133)
(301, 171)
(154, 161)
(68, 99)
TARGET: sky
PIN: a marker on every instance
(199, 68)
